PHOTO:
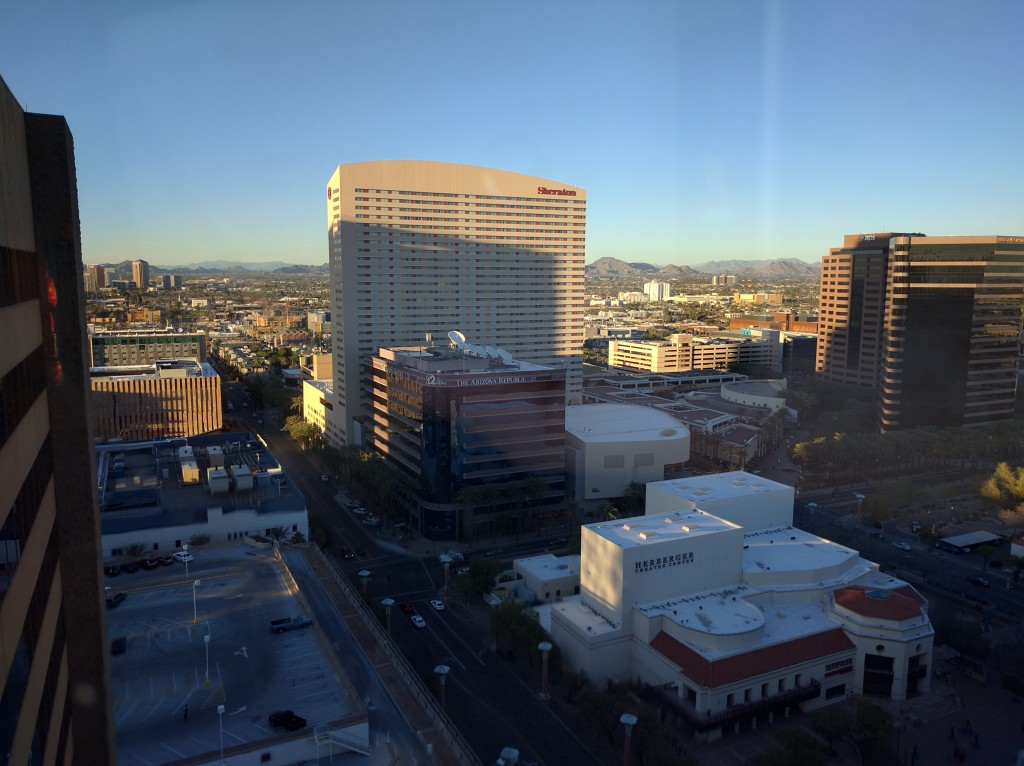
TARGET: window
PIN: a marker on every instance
(614, 461)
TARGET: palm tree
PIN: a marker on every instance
(634, 495)
(607, 510)
(571, 508)
(296, 405)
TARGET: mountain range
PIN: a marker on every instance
(613, 268)
(603, 268)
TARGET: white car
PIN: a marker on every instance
(902, 546)
(183, 556)
(437, 605)
(324, 477)
(417, 621)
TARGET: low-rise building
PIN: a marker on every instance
(735, 615)
(609, 446)
(161, 494)
(171, 397)
(683, 352)
(120, 348)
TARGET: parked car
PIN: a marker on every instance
(493, 552)
(877, 535)
(437, 605)
(183, 556)
(417, 621)
(149, 563)
(130, 567)
(111, 570)
(324, 477)
(462, 571)
(979, 581)
(113, 599)
(287, 720)
(289, 623)
(166, 560)
(346, 553)
(902, 546)
(406, 608)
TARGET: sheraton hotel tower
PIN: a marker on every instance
(418, 249)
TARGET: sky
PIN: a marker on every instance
(208, 129)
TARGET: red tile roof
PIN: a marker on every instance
(766, 659)
(899, 604)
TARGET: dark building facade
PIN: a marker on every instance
(54, 688)
(932, 323)
(481, 439)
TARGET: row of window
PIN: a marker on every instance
(559, 199)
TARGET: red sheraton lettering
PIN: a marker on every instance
(559, 192)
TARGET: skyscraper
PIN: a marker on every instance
(421, 248)
(54, 695)
(95, 278)
(933, 322)
(140, 274)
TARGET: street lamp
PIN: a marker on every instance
(545, 649)
(206, 643)
(364, 576)
(388, 603)
(442, 671)
(195, 612)
(184, 547)
(629, 721)
(220, 720)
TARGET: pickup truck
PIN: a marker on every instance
(289, 623)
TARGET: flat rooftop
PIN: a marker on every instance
(616, 422)
(548, 566)
(142, 485)
(162, 368)
(721, 486)
(660, 527)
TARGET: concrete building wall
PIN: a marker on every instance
(54, 667)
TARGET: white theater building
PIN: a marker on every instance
(729, 614)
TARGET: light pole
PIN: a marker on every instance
(184, 547)
(206, 643)
(220, 720)
(195, 612)
(364, 576)
(629, 721)
(388, 603)
(545, 649)
(442, 671)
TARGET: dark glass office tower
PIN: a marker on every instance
(54, 693)
(953, 325)
(933, 323)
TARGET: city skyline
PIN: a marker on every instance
(734, 131)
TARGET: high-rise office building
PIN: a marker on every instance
(140, 274)
(932, 322)
(95, 278)
(421, 248)
(54, 693)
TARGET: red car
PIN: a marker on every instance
(407, 608)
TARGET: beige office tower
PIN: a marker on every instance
(418, 249)
(54, 672)
(140, 274)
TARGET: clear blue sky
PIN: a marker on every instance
(701, 130)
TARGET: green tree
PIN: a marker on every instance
(633, 497)
(833, 722)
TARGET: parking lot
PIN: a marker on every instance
(191, 644)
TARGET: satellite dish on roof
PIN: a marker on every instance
(489, 350)
(473, 348)
(506, 357)
(457, 338)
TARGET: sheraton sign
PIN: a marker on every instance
(557, 192)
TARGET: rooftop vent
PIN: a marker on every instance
(648, 535)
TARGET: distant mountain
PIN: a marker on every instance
(223, 267)
(613, 268)
(783, 267)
